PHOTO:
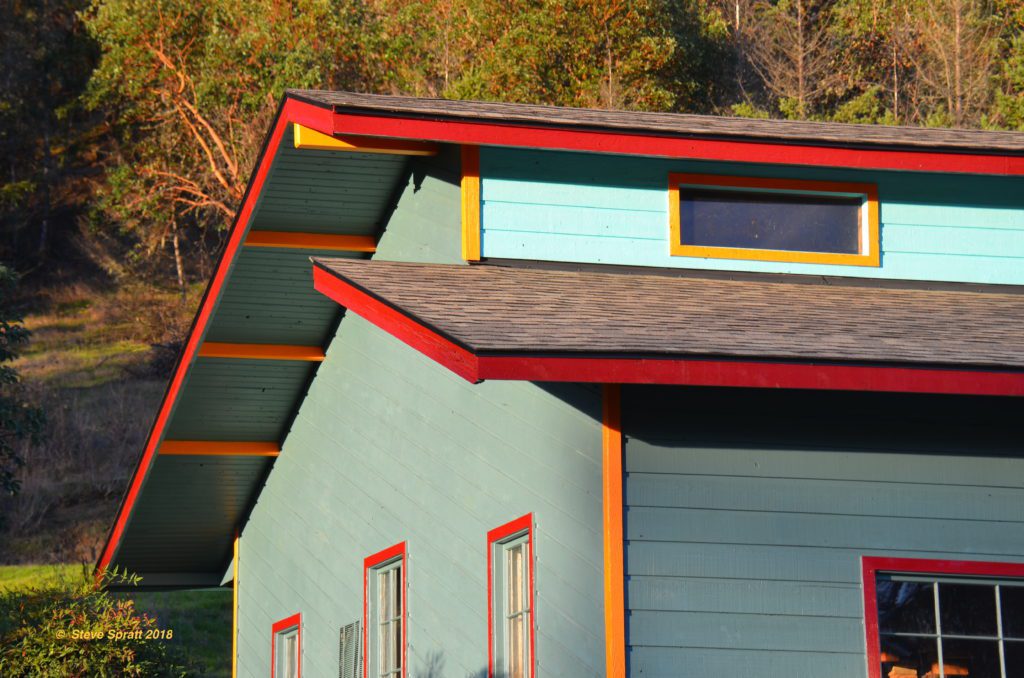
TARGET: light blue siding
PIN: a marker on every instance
(387, 447)
(589, 208)
(747, 515)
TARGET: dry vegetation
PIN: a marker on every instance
(98, 363)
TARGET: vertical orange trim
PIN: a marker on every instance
(234, 613)
(470, 203)
(614, 576)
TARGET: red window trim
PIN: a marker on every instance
(396, 552)
(283, 625)
(871, 566)
(499, 534)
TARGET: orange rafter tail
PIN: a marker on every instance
(214, 349)
(311, 139)
(311, 241)
(218, 448)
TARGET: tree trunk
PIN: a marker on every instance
(179, 266)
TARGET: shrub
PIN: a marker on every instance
(75, 628)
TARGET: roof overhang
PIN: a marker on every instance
(671, 135)
(483, 322)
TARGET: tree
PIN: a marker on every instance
(956, 59)
(18, 419)
(793, 51)
(191, 88)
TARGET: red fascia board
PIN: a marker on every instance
(678, 371)
(291, 111)
(871, 566)
(431, 344)
(666, 146)
(753, 374)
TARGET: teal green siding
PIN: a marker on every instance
(747, 514)
(388, 447)
(607, 209)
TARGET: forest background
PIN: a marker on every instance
(128, 129)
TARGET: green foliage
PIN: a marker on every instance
(18, 420)
(74, 627)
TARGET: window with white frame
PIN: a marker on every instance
(511, 621)
(385, 596)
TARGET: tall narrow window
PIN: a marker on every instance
(510, 575)
(384, 582)
(932, 619)
(286, 648)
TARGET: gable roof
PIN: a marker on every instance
(254, 344)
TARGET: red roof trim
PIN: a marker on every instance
(668, 370)
(632, 143)
(291, 111)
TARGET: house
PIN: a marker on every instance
(485, 389)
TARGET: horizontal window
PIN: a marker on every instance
(773, 219)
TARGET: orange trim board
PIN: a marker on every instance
(311, 241)
(870, 244)
(219, 448)
(308, 138)
(471, 203)
(614, 574)
(215, 349)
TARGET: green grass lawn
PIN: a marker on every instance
(201, 620)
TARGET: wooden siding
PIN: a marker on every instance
(389, 446)
(747, 514)
(607, 209)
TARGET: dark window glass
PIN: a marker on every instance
(974, 658)
(906, 607)
(1012, 603)
(769, 221)
(967, 609)
(903, 654)
(1014, 655)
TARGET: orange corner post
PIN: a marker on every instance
(471, 203)
(614, 576)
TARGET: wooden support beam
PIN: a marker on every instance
(311, 241)
(216, 349)
(311, 139)
(219, 448)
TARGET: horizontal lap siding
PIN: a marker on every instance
(388, 446)
(587, 208)
(743, 557)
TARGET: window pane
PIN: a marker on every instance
(397, 584)
(909, 657)
(1012, 601)
(396, 646)
(1014, 654)
(291, 656)
(515, 648)
(974, 658)
(906, 607)
(386, 649)
(806, 223)
(515, 580)
(967, 609)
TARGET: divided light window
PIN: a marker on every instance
(948, 625)
(510, 574)
(773, 219)
(286, 648)
(384, 579)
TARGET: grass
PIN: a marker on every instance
(201, 620)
